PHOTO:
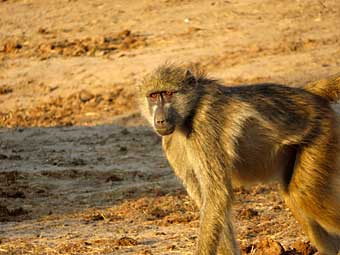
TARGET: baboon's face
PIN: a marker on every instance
(162, 111)
(167, 97)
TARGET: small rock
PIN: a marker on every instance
(85, 96)
(305, 248)
(43, 30)
(12, 46)
(3, 156)
(125, 131)
(124, 33)
(269, 246)
(158, 213)
(126, 241)
(123, 149)
(171, 247)
(98, 217)
(114, 178)
(15, 157)
(18, 212)
(78, 162)
(15, 194)
(3, 211)
(249, 213)
(5, 90)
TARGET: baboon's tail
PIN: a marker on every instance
(328, 88)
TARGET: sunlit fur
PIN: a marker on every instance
(328, 88)
(248, 134)
(185, 83)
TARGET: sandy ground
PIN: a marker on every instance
(79, 171)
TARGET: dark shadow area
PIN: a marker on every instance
(109, 188)
(44, 171)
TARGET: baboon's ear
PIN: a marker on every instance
(190, 78)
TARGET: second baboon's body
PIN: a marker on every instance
(248, 134)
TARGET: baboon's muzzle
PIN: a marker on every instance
(162, 124)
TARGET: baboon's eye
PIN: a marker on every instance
(168, 93)
(153, 96)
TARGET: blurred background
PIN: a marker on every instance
(79, 172)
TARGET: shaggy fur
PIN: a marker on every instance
(247, 134)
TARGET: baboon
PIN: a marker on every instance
(216, 136)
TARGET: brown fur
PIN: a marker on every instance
(328, 88)
(247, 134)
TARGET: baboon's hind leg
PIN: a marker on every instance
(327, 243)
(309, 194)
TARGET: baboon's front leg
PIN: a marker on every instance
(187, 175)
(228, 244)
(216, 229)
(193, 187)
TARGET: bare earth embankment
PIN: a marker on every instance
(79, 171)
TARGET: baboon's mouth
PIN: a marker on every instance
(165, 131)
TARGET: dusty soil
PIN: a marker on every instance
(79, 172)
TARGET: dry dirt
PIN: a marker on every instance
(79, 171)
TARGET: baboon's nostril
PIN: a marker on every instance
(161, 122)
(160, 117)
